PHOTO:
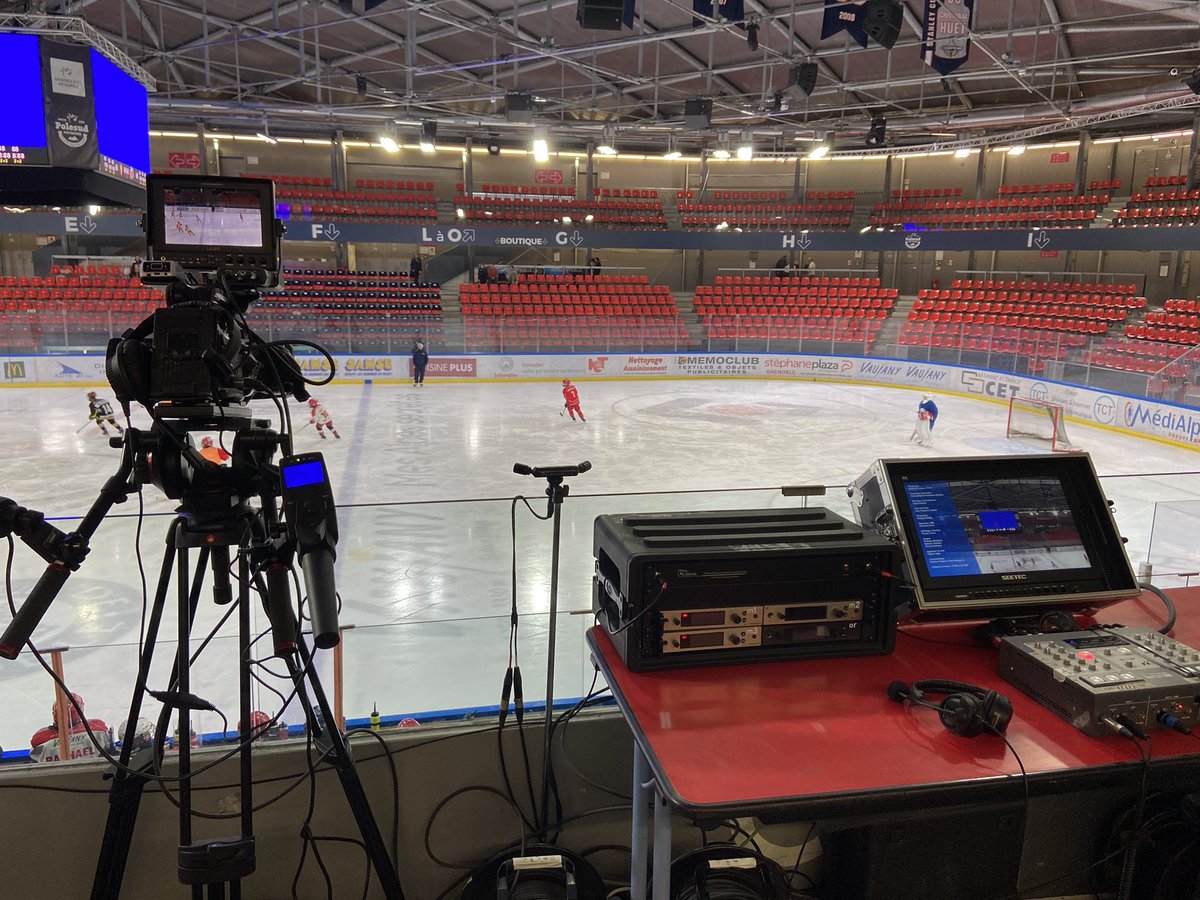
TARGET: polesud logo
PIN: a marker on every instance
(72, 130)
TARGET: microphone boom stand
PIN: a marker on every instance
(556, 491)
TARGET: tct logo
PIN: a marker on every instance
(976, 383)
(1039, 391)
(596, 364)
(1104, 410)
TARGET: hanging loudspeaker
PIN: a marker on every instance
(882, 20)
(877, 132)
(802, 78)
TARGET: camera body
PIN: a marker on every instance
(214, 243)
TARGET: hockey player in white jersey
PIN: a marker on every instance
(318, 415)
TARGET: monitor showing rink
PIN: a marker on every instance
(226, 226)
(424, 482)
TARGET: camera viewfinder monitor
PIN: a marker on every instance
(207, 223)
(1006, 535)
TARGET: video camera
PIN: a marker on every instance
(214, 243)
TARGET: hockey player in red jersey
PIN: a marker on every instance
(319, 415)
(571, 396)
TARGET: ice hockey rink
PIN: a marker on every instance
(424, 483)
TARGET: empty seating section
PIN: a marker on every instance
(351, 311)
(1178, 322)
(766, 209)
(378, 200)
(811, 308)
(1038, 319)
(1106, 184)
(568, 311)
(1017, 206)
(549, 203)
(1165, 360)
(79, 306)
(1157, 181)
(1175, 206)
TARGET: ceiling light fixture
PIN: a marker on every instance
(608, 143)
(541, 146)
(673, 152)
(1017, 150)
(745, 149)
(428, 136)
(821, 150)
(387, 140)
(962, 153)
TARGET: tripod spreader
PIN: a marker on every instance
(551, 471)
(64, 552)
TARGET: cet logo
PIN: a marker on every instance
(1104, 409)
(1039, 391)
(912, 241)
(72, 130)
(596, 364)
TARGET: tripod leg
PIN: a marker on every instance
(125, 795)
(337, 750)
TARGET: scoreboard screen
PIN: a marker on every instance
(23, 125)
(122, 121)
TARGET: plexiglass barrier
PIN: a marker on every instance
(426, 592)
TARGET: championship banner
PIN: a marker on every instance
(70, 105)
(841, 15)
(946, 39)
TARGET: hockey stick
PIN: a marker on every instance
(83, 426)
(563, 411)
(306, 424)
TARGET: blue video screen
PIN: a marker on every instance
(993, 520)
(23, 125)
(303, 474)
(122, 116)
(1006, 525)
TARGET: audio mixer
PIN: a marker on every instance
(1107, 675)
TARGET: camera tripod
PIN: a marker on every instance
(214, 517)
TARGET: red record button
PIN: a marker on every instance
(1086, 656)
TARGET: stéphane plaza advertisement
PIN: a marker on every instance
(1151, 418)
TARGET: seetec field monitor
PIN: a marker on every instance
(209, 223)
(994, 535)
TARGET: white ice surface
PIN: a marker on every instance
(422, 477)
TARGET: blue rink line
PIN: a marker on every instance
(349, 482)
(463, 714)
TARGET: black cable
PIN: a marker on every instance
(1171, 612)
(795, 870)
(444, 802)
(662, 589)
(305, 827)
(395, 790)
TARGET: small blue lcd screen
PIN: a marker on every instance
(24, 121)
(122, 114)
(303, 474)
(993, 520)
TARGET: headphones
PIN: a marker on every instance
(967, 711)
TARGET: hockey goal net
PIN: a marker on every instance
(1040, 420)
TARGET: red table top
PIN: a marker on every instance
(800, 734)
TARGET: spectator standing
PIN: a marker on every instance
(420, 359)
(414, 269)
(596, 265)
(812, 265)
